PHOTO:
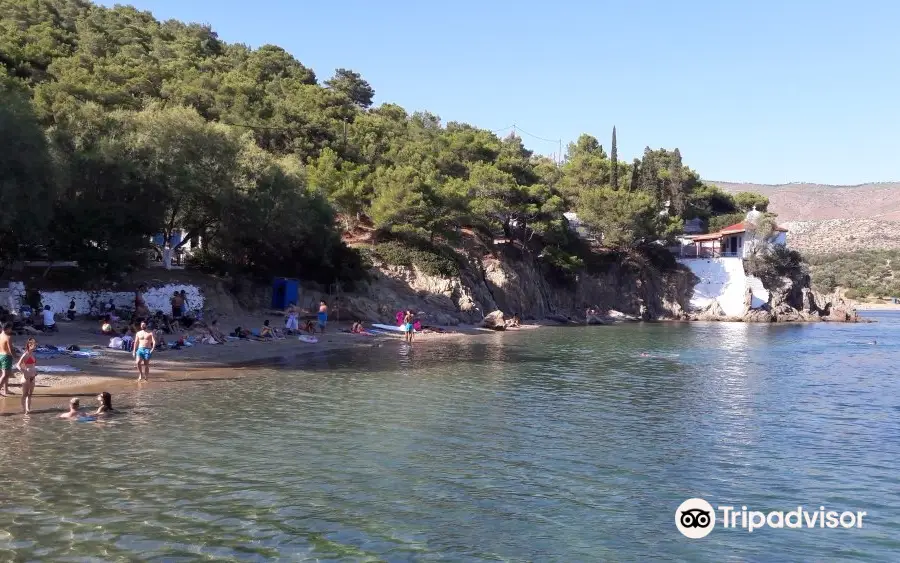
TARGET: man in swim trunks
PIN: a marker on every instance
(323, 315)
(6, 358)
(144, 345)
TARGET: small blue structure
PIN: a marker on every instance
(284, 292)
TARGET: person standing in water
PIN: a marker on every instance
(27, 364)
(144, 345)
(408, 326)
(323, 315)
(6, 358)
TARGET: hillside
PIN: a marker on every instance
(842, 235)
(814, 202)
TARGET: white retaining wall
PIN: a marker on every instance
(157, 298)
(724, 280)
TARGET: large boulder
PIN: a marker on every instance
(494, 321)
(758, 316)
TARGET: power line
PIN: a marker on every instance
(535, 136)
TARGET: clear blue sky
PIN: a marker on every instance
(765, 91)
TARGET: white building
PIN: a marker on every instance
(716, 259)
(734, 241)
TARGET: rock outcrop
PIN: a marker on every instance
(515, 283)
(494, 321)
(792, 301)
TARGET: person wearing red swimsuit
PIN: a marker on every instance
(28, 366)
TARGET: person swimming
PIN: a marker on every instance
(73, 412)
(105, 404)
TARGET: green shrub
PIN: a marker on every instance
(561, 265)
(776, 263)
(430, 259)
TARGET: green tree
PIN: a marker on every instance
(614, 161)
(624, 219)
(745, 201)
(353, 86)
(26, 178)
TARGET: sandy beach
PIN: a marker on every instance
(114, 370)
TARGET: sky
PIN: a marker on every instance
(761, 91)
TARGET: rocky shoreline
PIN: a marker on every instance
(792, 303)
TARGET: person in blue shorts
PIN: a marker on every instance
(323, 315)
(408, 326)
(144, 345)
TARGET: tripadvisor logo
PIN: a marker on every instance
(695, 518)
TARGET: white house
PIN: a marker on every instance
(735, 241)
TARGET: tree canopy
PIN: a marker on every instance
(115, 127)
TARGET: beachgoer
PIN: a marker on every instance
(215, 334)
(323, 315)
(266, 330)
(27, 364)
(144, 345)
(49, 319)
(408, 326)
(184, 303)
(74, 404)
(6, 358)
(292, 323)
(105, 404)
(70, 314)
(177, 303)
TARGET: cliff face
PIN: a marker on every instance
(515, 284)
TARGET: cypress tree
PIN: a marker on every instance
(614, 157)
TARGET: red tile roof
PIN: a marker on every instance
(729, 230)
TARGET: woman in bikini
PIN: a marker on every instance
(28, 366)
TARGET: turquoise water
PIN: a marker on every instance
(547, 445)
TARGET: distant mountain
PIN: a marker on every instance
(814, 202)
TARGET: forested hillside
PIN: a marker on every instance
(864, 273)
(115, 126)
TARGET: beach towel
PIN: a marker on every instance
(84, 354)
(57, 369)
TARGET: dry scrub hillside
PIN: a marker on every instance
(812, 202)
(842, 235)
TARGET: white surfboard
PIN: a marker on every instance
(390, 328)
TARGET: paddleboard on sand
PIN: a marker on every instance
(390, 328)
(310, 339)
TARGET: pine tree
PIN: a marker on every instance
(613, 156)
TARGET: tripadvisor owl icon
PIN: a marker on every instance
(695, 518)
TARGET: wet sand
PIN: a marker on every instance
(114, 370)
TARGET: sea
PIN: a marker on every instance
(555, 444)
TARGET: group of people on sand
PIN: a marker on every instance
(292, 319)
(27, 366)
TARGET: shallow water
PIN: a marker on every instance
(547, 445)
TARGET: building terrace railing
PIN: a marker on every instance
(692, 251)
